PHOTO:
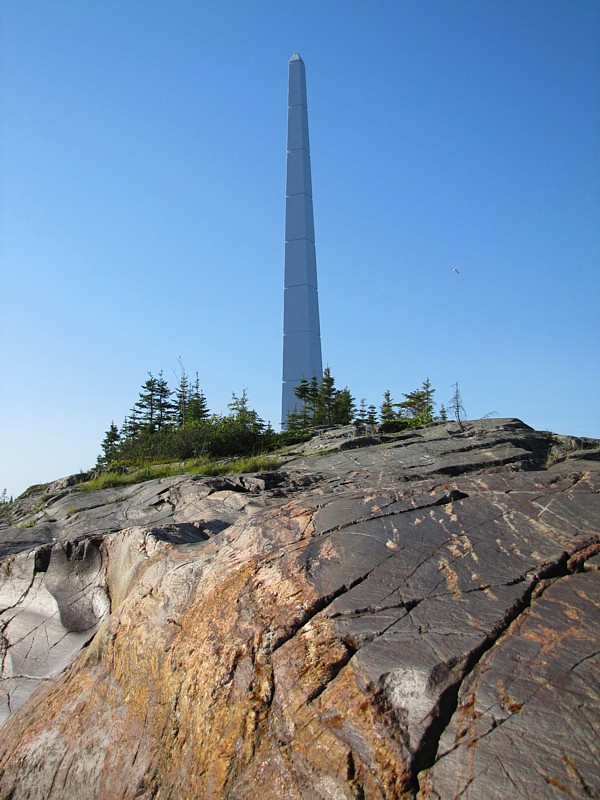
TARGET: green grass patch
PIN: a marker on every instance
(260, 463)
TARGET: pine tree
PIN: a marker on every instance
(312, 400)
(182, 395)
(301, 417)
(165, 408)
(110, 446)
(372, 415)
(296, 422)
(325, 411)
(145, 409)
(131, 426)
(343, 407)
(362, 413)
(243, 414)
(428, 392)
(197, 407)
(419, 403)
(386, 411)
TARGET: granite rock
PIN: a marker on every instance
(410, 616)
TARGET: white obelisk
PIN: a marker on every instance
(301, 329)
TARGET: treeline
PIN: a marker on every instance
(176, 424)
(320, 404)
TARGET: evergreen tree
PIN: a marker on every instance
(131, 426)
(312, 400)
(165, 408)
(145, 409)
(428, 392)
(110, 446)
(372, 415)
(197, 407)
(362, 413)
(386, 411)
(343, 407)
(325, 412)
(296, 422)
(419, 403)
(302, 416)
(182, 395)
(243, 414)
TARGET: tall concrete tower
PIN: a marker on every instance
(301, 329)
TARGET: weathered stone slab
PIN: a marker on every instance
(528, 719)
(334, 631)
(35, 645)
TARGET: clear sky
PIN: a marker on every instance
(142, 197)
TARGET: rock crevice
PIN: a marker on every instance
(332, 630)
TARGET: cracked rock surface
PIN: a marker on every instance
(410, 616)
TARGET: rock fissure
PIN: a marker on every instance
(315, 609)
(420, 618)
(496, 723)
(426, 752)
(334, 670)
(407, 605)
(452, 497)
(584, 659)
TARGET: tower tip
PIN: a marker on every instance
(296, 57)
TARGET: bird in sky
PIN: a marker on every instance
(455, 270)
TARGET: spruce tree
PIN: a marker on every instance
(243, 414)
(182, 395)
(197, 407)
(165, 408)
(325, 411)
(428, 392)
(419, 403)
(387, 412)
(362, 413)
(110, 446)
(312, 400)
(302, 416)
(343, 407)
(131, 426)
(145, 409)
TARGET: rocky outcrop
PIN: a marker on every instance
(406, 616)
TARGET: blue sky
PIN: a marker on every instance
(142, 160)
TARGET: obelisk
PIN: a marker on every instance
(301, 329)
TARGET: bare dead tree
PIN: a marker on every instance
(457, 407)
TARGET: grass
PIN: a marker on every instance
(260, 463)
